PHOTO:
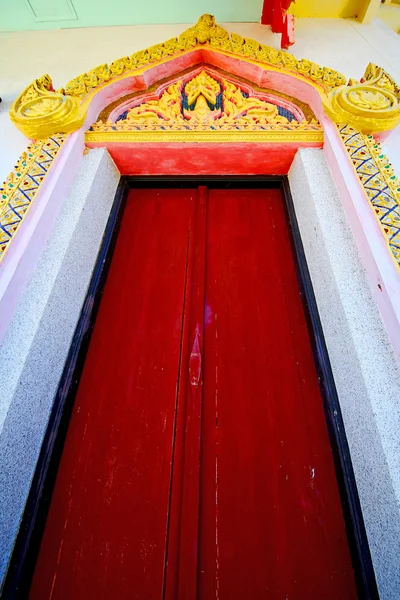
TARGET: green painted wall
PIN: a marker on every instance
(15, 15)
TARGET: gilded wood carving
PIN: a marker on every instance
(371, 105)
(203, 104)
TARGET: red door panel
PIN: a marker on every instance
(113, 483)
(182, 543)
(197, 463)
(271, 524)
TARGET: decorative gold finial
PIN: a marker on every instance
(205, 30)
(40, 111)
(371, 106)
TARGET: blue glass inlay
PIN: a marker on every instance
(122, 117)
(284, 112)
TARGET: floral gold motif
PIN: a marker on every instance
(237, 112)
(205, 33)
(39, 110)
(372, 105)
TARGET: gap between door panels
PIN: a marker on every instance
(180, 569)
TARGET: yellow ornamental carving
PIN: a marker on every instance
(239, 110)
(118, 66)
(202, 85)
(208, 113)
(371, 106)
(40, 111)
(166, 108)
(202, 90)
(206, 32)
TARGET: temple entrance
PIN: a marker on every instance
(197, 463)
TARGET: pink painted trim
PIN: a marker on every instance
(21, 258)
(370, 239)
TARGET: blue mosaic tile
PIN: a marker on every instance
(22, 185)
(379, 182)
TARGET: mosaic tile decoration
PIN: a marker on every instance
(22, 184)
(380, 183)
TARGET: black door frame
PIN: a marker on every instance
(27, 544)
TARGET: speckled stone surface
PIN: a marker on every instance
(34, 350)
(365, 369)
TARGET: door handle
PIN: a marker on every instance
(195, 361)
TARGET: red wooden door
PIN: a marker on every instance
(197, 463)
(271, 519)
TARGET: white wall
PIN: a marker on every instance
(344, 45)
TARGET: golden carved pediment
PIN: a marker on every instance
(371, 105)
(202, 103)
